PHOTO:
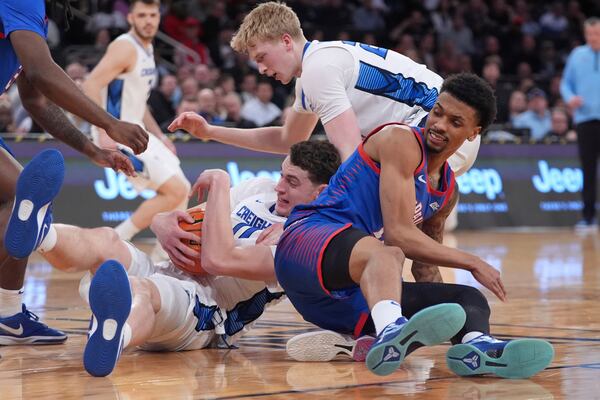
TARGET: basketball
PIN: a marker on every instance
(196, 228)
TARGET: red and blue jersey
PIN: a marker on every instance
(352, 195)
(18, 15)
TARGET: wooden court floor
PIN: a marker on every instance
(553, 283)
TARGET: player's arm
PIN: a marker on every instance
(54, 121)
(399, 154)
(219, 254)
(47, 77)
(434, 228)
(326, 75)
(271, 139)
(153, 127)
(120, 57)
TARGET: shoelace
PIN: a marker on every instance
(31, 315)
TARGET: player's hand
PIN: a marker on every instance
(113, 159)
(207, 180)
(192, 123)
(489, 277)
(166, 228)
(131, 135)
(270, 236)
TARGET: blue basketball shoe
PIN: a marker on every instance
(25, 328)
(110, 301)
(38, 184)
(428, 327)
(520, 358)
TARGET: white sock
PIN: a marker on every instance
(384, 313)
(126, 335)
(10, 302)
(127, 229)
(470, 336)
(49, 241)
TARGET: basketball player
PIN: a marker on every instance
(121, 83)
(43, 88)
(351, 87)
(336, 271)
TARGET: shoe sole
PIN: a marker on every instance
(520, 358)
(431, 326)
(37, 340)
(326, 345)
(110, 301)
(39, 183)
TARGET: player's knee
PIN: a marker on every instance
(106, 236)
(175, 191)
(473, 301)
(393, 254)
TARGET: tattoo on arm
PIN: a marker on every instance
(56, 123)
(434, 228)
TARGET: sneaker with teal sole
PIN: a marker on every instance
(520, 358)
(431, 326)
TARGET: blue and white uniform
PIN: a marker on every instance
(351, 199)
(218, 309)
(380, 85)
(17, 15)
(125, 98)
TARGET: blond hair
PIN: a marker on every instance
(268, 21)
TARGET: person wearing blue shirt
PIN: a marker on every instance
(43, 87)
(580, 88)
(537, 118)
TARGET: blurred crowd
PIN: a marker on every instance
(518, 46)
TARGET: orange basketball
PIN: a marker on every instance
(196, 229)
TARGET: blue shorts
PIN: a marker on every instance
(298, 268)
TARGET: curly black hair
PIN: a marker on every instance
(476, 93)
(319, 158)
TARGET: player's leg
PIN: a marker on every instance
(161, 171)
(81, 249)
(19, 325)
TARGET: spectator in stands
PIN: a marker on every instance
(191, 39)
(248, 87)
(233, 107)
(560, 130)
(580, 89)
(106, 18)
(367, 18)
(517, 104)
(203, 76)
(189, 88)
(188, 104)
(537, 117)
(261, 110)
(76, 71)
(553, 22)
(174, 21)
(161, 102)
(207, 106)
(502, 89)
(461, 35)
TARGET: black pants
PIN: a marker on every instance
(588, 140)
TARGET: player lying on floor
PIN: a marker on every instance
(172, 310)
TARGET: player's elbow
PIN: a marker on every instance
(216, 263)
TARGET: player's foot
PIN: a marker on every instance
(520, 358)
(326, 345)
(428, 327)
(25, 328)
(110, 301)
(38, 184)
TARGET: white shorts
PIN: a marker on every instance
(464, 158)
(160, 164)
(218, 310)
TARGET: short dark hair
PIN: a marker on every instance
(319, 158)
(147, 2)
(474, 92)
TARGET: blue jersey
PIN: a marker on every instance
(18, 15)
(353, 192)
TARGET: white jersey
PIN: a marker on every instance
(380, 85)
(125, 97)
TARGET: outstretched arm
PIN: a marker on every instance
(434, 228)
(219, 255)
(272, 139)
(54, 121)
